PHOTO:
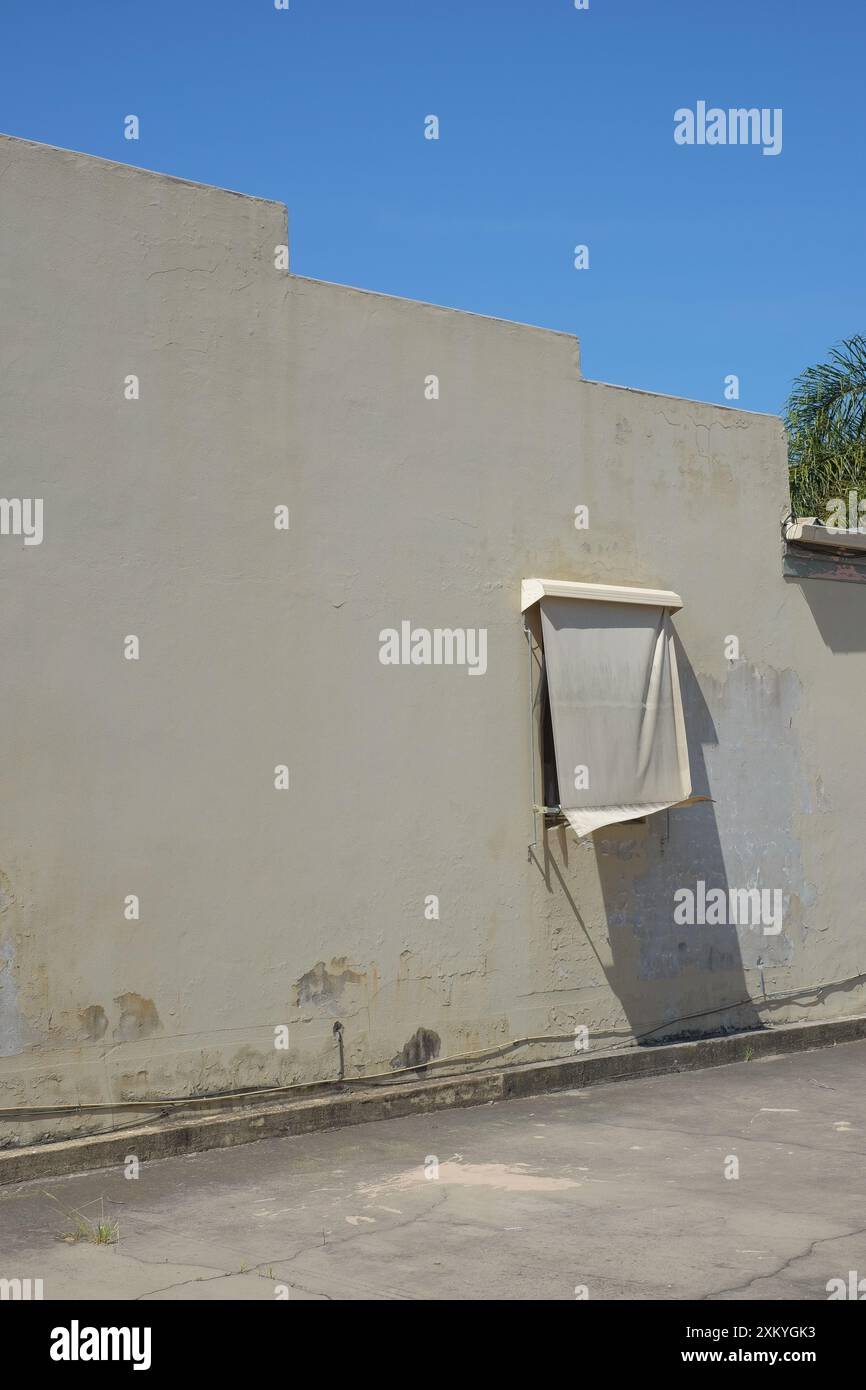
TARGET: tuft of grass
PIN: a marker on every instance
(103, 1233)
(105, 1230)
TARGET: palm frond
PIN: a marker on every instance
(826, 423)
(831, 397)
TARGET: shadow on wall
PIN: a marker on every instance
(839, 610)
(672, 980)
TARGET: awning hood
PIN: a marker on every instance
(532, 590)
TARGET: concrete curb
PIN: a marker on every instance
(164, 1139)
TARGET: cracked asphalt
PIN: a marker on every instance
(618, 1190)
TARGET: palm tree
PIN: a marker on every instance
(826, 422)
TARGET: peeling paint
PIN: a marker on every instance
(94, 1021)
(322, 984)
(138, 1018)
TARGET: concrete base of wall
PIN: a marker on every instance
(350, 1105)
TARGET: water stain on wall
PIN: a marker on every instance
(422, 1045)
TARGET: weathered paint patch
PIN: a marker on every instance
(138, 1018)
(421, 1047)
(94, 1021)
(323, 984)
(11, 1023)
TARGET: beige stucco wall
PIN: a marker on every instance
(261, 647)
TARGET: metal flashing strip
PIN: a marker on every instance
(811, 551)
(801, 562)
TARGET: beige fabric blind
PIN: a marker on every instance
(616, 710)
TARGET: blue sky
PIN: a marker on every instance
(556, 128)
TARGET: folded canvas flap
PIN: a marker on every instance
(616, 710)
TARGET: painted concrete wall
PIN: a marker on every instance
(262, 907)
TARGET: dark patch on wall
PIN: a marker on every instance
(138, 1018)
(321, 985)
(7, 897)
(422, 1045)
(94, 1021)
